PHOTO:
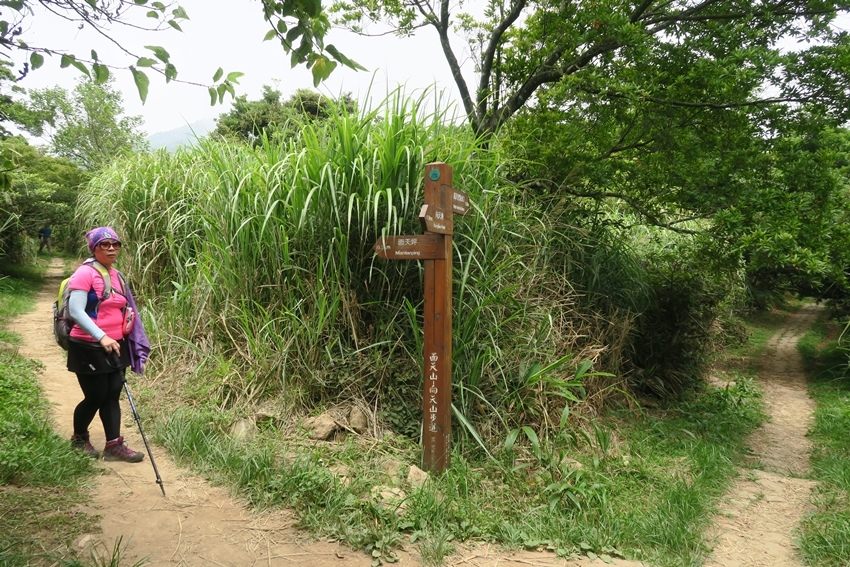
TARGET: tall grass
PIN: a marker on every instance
(258, 266)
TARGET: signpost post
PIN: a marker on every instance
(434, 248)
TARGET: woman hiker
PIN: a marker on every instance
(106, 339)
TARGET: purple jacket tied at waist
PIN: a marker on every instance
(137, 340)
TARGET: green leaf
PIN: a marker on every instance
(36, 60)
(221, 91)
(146, 62)
(213, 96)
(140, 2)
(159, 53)
(296, 58)
(101, 73)
(313, 8)
(218, 74)
(565, 416)
(180, 13)
(271, 34)
(511, 439)
(153, 14)
(170, 73)
(293, 34)
(350, 63)
(532, 437)
(582, 369)
(175, 25)
(159, 6)
(13, 4)
(471, 429)
(93, 55)
(322, 69)
(142, 83)
(72, 61)
(92, 3)
(234, 77)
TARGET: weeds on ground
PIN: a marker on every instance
(825, 534)
(639, 486)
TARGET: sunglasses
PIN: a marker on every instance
(104, 245)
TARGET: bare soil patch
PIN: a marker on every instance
(198, 524)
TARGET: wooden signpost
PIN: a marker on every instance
(434, 248)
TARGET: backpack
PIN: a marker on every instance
(62, 320)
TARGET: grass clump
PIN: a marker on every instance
(825, 533)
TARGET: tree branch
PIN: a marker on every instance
(650, 217)
(547, 73)
(611, 93)
(441, 23)
(517, 6)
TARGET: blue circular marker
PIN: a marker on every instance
(434, 175)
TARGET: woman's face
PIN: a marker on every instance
(107, 251)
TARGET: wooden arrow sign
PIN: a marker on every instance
(412, 247)
(459, 200)
(435, 219)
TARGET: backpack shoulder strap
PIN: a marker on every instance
(104, 273)
(124, 289)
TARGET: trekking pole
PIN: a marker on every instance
(145, 439)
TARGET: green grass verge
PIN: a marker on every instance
(825, 534)
(17, 289)
(42, 481)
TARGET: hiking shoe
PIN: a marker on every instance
(117, 450)
(82, 442)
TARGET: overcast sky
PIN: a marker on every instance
(229, 34)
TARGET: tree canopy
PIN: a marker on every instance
(40, 190)
(643, 51)
(88, 126)
(250, 120)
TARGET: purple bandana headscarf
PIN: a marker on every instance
(95, 235)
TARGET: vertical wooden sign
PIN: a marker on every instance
(434, 248)
(437, 345)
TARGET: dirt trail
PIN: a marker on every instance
(763, 508)
(199, 524)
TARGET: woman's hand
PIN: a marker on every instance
(110, 345)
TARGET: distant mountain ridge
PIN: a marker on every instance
(183, 136)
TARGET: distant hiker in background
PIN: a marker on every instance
(44, 236)
(107, 338)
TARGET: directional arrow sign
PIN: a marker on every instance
(435, 219)
(459, 200)
(413, 247)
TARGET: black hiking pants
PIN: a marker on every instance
(102, 394)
